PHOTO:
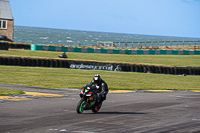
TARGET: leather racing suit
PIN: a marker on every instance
(102, 88)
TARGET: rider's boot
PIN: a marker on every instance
(99, 104)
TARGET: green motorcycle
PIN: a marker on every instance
(89, 100)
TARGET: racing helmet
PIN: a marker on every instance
(97, 78)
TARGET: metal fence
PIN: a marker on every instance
(147, 44)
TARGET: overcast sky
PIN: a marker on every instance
(148, 17)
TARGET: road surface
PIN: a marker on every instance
(138, 112)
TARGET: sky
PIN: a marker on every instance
(179, 18)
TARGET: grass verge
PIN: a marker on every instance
(75, 78)
(4, 92)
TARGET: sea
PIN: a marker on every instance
(36, 35)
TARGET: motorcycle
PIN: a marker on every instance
(89, 100)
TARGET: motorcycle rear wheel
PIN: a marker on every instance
(81, 106)
(96, 108)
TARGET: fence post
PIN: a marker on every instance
(132, 44)
(158, 43)
(119, 44)
(177, 43)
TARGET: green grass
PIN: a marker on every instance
(168, 60)
(75, 78)
(4, 92)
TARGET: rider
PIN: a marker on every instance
(101, 86)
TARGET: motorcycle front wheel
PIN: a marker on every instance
(81, 106)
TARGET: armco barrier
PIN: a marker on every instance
(115, 51)
(35, 62)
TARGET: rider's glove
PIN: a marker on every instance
(97, 86)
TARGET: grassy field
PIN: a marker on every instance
(167, 60)
(4, 92)
(75, 78)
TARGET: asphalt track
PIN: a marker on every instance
(129, 112)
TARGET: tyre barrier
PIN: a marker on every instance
(19, 61)
(6, 46)
(115, 51)
(35, 62)
(161, 69)
(19, 46)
